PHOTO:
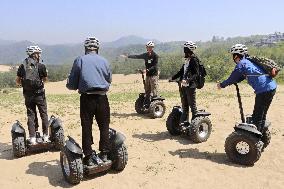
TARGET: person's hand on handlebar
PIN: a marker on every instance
(219, 86)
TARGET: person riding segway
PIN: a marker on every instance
(91, 75)
(240, 145)
(31, 76)
(152, 73)
(199, 128)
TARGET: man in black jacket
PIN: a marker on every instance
(152, 75)
(31, 75)
(187, 76)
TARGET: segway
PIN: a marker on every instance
(71, 159)
(22, 146)
(157, 107)
(245, 145)
(198, 130)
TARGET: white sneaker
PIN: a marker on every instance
(45, 138)
(33, 140)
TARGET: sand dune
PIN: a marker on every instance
(156, 159)
(4, 68)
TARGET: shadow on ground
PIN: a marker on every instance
(127, 115)
(159, 136)
(51, 170)
(6, 151)
(194, 153)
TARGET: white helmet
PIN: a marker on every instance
(150, 44)
(190, 45)
(33, 49)
(92, 43)
(239, 49)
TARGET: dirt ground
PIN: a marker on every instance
(4, 68)
(156, 159)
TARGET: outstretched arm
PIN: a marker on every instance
(139, 56)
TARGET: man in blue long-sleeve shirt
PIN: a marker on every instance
(91, 75)
(263, 84)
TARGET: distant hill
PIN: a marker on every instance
(13, 52)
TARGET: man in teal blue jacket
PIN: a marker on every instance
(263, 84)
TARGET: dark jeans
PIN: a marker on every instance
(31, 102)
(94, 105)
(261, 106)
(188, 99)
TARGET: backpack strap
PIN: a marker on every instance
(25, 64)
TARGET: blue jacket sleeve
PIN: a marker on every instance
(235, 77)
(74, 76)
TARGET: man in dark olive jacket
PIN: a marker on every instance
(152, 75)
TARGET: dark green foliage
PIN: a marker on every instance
(58, 72)
(214, 56)
(8, 79)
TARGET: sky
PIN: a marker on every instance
(71, 21)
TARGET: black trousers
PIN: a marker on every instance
(93, 105)
(261, 106)
(188, 99)
(32, 101)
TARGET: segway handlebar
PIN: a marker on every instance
(240, 103)
(140, 71)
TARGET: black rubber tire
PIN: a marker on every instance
(196, 124)
(119, 157)
(139, 105)
(266, 137)
(19, 145)
(255, 147)
(75, 166)
(59, 139)
(152, 110)
(173, 123)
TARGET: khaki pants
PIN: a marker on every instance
(151, 85)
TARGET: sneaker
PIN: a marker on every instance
(92, 160)
(88, 160)
(45, 138)
(33, 140)
(104, 157)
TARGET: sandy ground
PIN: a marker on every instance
(4, 68)
(156, 159)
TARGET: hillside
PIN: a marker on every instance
(13, 52)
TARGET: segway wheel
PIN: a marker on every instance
(200, 130)
(119, 157)
(243, 147)
(139, 105)
(157, 109)
(19, 147)
(72, 166)
(266, 137)
(173, 123)
(59, 139)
